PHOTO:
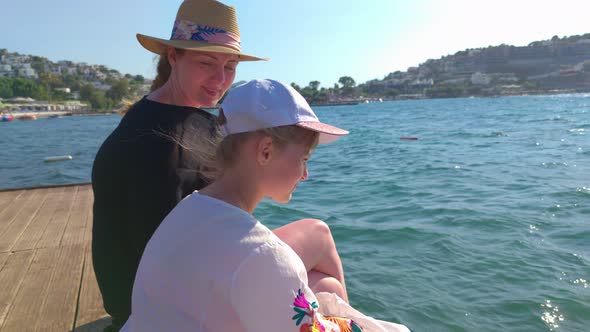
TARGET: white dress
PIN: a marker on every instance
(211, 266)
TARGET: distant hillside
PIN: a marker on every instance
(550, 66)
(558, 64)
(23, 75)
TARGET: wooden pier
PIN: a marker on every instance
(47, 282)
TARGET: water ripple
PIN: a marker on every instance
(473, 227)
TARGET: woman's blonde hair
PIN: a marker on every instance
(163, 69)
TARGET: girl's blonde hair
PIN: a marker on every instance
(228, 148)
(215, 153)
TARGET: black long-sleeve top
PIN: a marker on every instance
(141, 171)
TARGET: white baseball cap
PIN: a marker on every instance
(266, 103)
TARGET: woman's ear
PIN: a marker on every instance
(171, 54)
(264, 150)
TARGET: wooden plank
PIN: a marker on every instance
(7, 197)
(54, 231)
(91, 314)
(89, 221)
(3, 259)
(11, 277)
(90, 306)
(22, 220)
(24, 311)
(8, 215)
(36, 228)
(59, 308)
(77, 223)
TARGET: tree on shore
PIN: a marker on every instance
(347, 82)
(96, 97)
(6, 88)
(118, 90)
(348, 85)
(20, 87)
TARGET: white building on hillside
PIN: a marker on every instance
(480, 79)
(27, 71)
(64, 90)
(100, 85)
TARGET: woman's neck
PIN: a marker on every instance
(170, 94)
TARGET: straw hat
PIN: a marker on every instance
(202, 25)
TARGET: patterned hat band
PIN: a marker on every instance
(186, 30)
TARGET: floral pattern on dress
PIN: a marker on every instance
(309, 319)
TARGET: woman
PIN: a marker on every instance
(143, 169)
(211, 266)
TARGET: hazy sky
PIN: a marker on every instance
(305, 39)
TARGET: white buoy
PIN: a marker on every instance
(57, 158)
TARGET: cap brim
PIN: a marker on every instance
(158, 46)
(327, 132)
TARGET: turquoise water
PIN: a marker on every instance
(482, 224)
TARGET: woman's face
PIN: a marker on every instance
(288, 166)
(203, 77)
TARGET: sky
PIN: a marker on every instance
(306, 40)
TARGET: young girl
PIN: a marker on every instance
(211, 266)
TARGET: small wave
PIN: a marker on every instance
(551, 119)
(554, 164)
(579, 131)
(555, 118)
(464, 135)
(555, 208)
(565, 95)
(551, 315)
(584, 190)
(581, 282)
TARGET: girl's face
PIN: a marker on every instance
(203, 77)
(287, 167)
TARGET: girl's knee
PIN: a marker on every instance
(328, 284)
(318, 227)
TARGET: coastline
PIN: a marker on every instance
(20, 115)
(46, 114)
(38, 114)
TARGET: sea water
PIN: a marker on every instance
(480, 224)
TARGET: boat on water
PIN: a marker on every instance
(6, 118)
(28, 117)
